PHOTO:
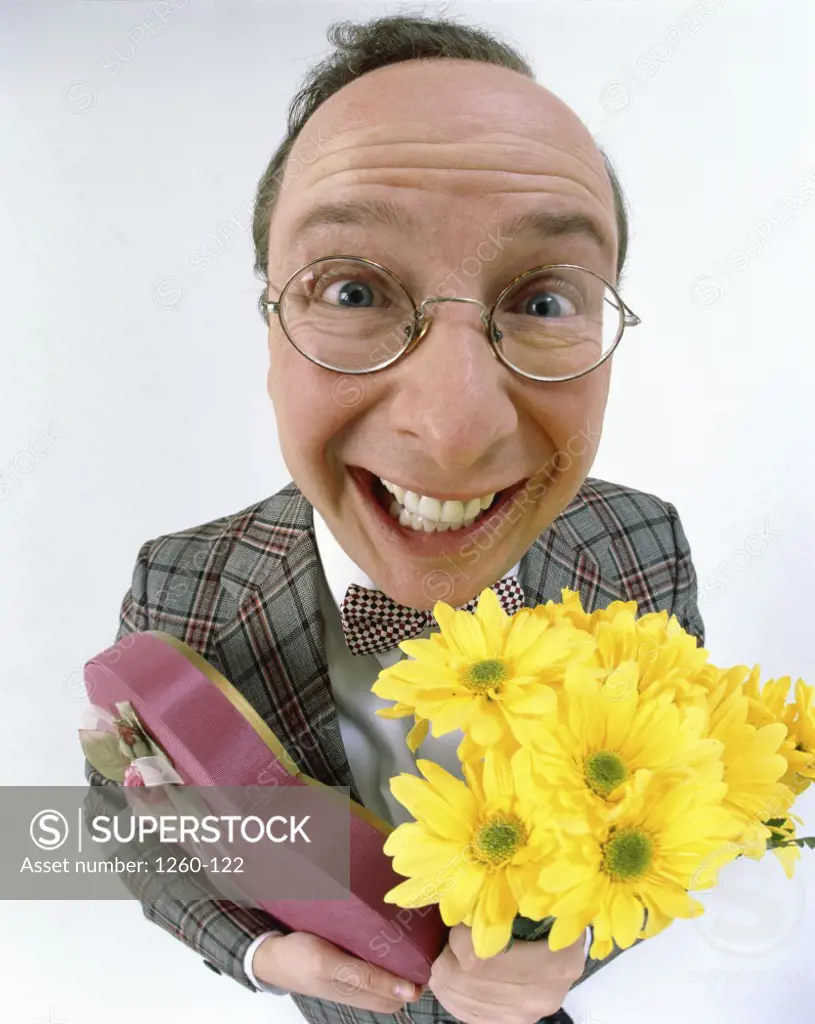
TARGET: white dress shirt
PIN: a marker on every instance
(376, 747)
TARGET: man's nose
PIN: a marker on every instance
(451, 393)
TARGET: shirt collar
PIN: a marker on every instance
(340, 570)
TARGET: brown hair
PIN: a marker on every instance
(360, 48)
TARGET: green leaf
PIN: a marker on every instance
(141, 747)
(531, 931)
(802, 841)
(104, 753)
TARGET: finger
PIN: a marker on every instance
(499, 967)
(460, 941)
(523, 961)
(467, 1010)
(494, 999)
(444, 967)
(351, 977)
(449, 981)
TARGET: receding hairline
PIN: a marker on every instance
(350, 94)
(342, 109)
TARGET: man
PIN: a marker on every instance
(441, 240)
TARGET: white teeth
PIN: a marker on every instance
(422, 512)
(452, 512)
(430, 508)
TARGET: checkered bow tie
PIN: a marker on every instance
(373, 622)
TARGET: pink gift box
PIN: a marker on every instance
(214, 737)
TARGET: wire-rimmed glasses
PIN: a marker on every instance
(554, 322)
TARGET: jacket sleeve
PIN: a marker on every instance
(686, 598)
(218, 930)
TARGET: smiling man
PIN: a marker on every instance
(418, 166)
(442, 243)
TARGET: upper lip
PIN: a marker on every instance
(447, 495)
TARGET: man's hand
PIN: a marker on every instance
(517, 987)
(310, 966)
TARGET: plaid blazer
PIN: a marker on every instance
(242, 590)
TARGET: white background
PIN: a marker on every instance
(131, 147)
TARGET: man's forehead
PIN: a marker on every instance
(461, 129)
(447, 106)
(449, 95)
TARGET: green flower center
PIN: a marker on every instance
(604, 772)
(627, 855)
(482, 676)
(499, 839)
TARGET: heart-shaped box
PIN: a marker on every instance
(214, 737)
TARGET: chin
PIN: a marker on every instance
(447, 545)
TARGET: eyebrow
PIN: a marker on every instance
(559, 225)
(357, 211)
(368, 212)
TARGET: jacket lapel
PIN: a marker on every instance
(271, 648)
(574, 552)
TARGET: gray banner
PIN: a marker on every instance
(244, 844)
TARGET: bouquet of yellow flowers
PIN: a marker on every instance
(608, 772)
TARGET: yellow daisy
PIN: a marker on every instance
(671, 660)
(490, 675)
(651, 652)
(802, 733)
(418, 732)
(753, 761)
(592, 749)
(770, 703)
(570, 609)
(475, 847)
(663, 840)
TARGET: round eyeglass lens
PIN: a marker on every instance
(557, 323)
(347, 315)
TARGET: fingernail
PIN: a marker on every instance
(404, 990)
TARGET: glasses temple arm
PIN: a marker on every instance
(630, 318)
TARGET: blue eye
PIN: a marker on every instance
(351, 293)
(547, 304)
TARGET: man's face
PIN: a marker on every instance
(462, 149)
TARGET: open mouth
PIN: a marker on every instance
(432, 514)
